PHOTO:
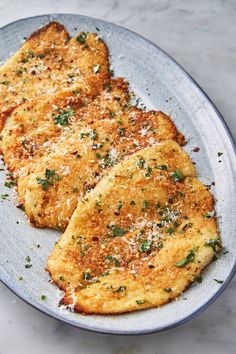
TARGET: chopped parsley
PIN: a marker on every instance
(145, 205)
(19, 72)
(116, 262)
(63, 117)
(170, 230)
(11, 183)
(41, 55)
(112, 258)
(86, 276)
(119, 205)
(106, 161)
(25, 144)
(198, 279)
(145, 246)
(94, 135)
(30, 54)
(219, 281)
(6, 82)
(149, 172)
(121, 131)
(118, 231)
(141, 162)
(162, 167)
(61, 278)
(140, 302)
(120, 289)
(50, 177)
(177, 176)
(215, 244)
(43, 297)
(214, 258)
(167, 290)
(24, 60)
(81, 38)
(190, 258)
(27, 266)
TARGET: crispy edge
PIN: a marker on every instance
(41, 31)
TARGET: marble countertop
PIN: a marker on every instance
(200, 35)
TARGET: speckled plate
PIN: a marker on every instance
(162, 84)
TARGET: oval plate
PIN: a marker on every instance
(162, 84)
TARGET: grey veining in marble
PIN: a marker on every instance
(200, 35)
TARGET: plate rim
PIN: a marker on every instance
(225, 127)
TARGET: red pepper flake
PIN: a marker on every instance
(196, 149)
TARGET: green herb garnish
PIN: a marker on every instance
(81, 38)
(41, 55)
(162, 167)
(145, 246)
(4, 196)
(141, 162)
(219, 281)
(177, 176)
(121, 131)
(50, 177)
(86, 276)
(63, 117)
(170, 230)
(120, 289)
(149, 172)
(168, 290)
(6, 82)
(119, 205)
(190, 258)
(11, 183)
(198, 279)
(215, 244)
(27, 266)
(140, 302)
(118, 231)
(145, 205)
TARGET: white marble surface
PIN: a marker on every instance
(200, 35)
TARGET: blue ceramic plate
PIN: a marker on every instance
(162, 84)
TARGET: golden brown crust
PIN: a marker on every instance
(32, 143)
(47, 62)
(139, 238)
(52, 26)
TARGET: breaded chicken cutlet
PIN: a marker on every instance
(49, 61)
(139, 238)
(69, 146)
